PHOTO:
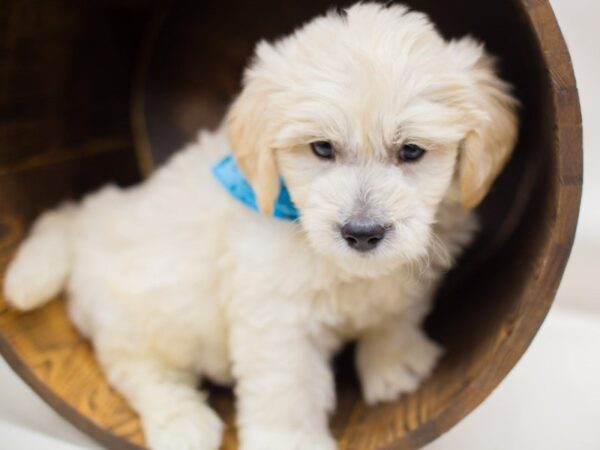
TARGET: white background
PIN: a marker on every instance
(550, 401)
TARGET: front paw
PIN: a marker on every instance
(296, 440)
(386, 372)
(187, 426)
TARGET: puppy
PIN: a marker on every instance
(386, 137)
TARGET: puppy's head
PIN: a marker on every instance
(372, 120)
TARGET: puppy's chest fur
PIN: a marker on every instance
(349, 307)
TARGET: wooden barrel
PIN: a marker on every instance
(105, 89)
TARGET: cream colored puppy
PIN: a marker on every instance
(386, 136)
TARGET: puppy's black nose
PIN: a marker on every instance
(363, 235)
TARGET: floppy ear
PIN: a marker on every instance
(250, 134)
(492, 110)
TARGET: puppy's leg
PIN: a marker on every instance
(284, 389)
(394, 358)
(173, 412)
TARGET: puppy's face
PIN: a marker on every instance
(372, 120)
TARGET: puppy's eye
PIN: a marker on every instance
(323, 149)
(410, 153)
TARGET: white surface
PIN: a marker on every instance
(17, 437)
(550, 401)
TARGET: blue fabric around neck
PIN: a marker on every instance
(229, 175)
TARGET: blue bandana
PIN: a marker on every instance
(229, 175)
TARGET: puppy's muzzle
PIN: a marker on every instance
(363, 235)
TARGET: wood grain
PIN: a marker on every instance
(88, 87)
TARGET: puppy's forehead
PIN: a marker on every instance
(354, 78)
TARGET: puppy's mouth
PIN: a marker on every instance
(364, 234)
